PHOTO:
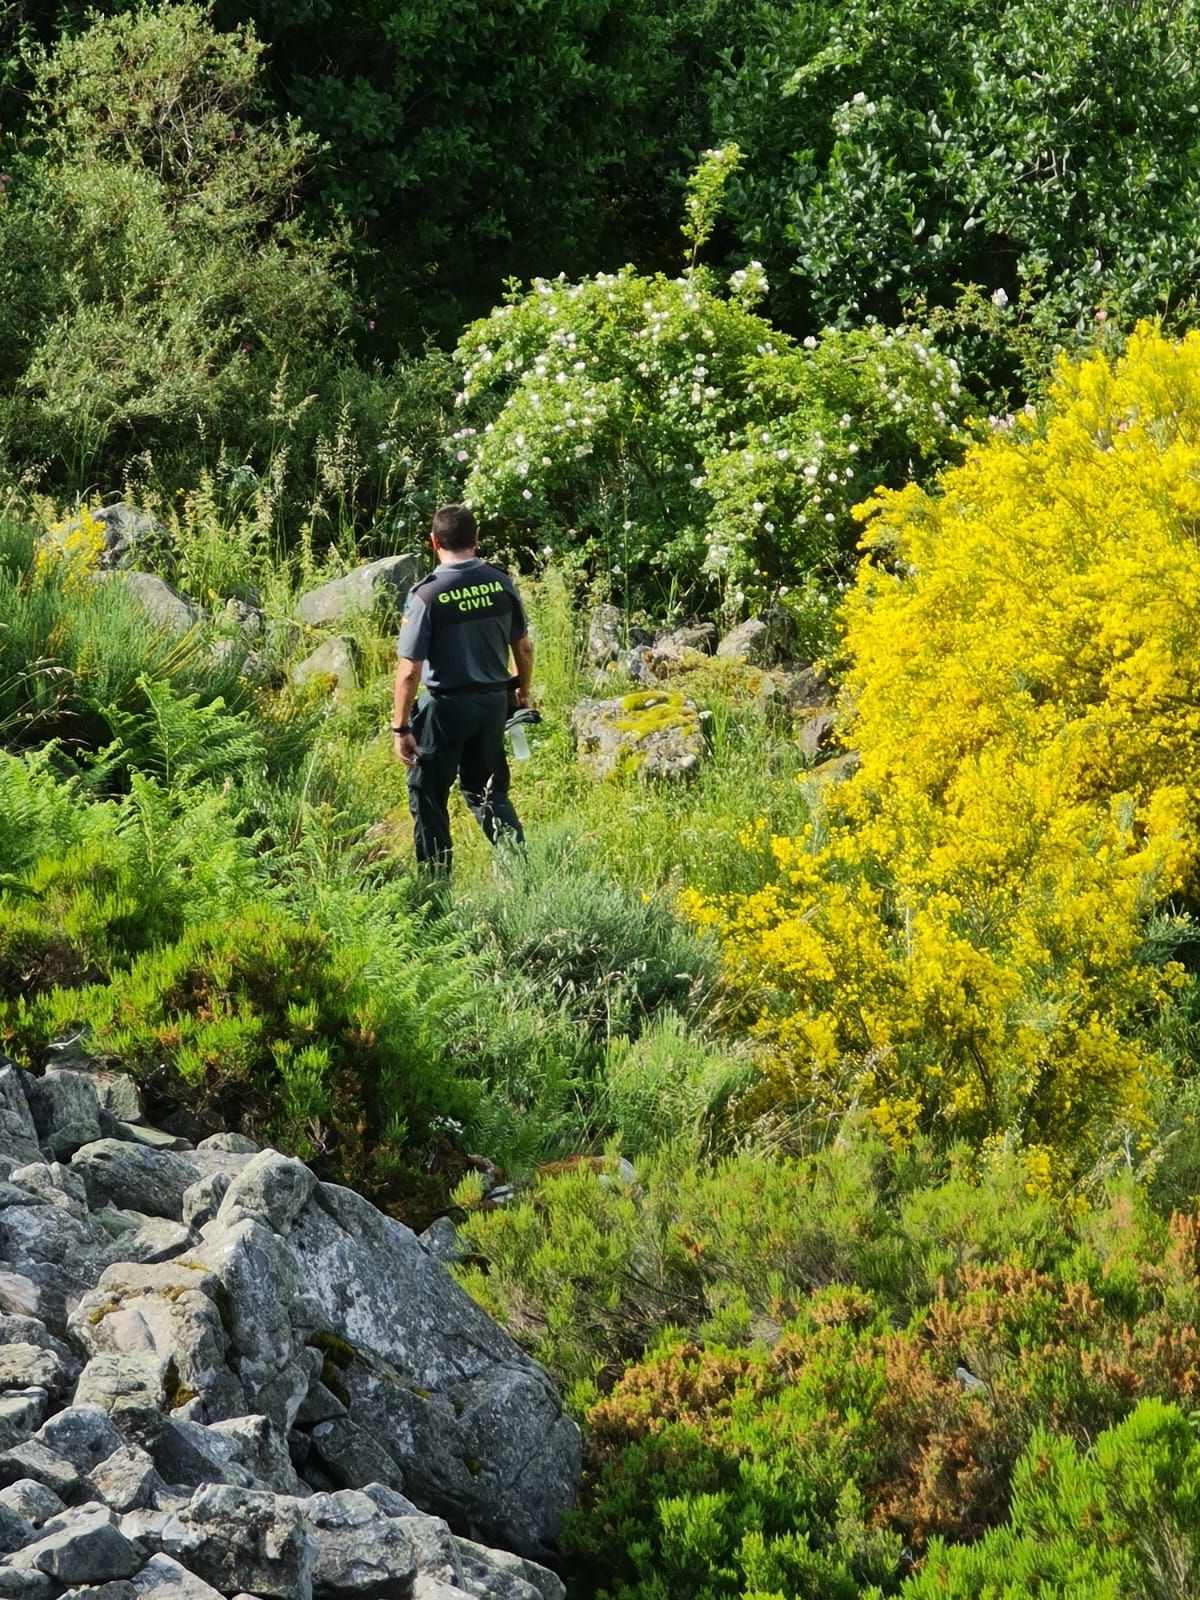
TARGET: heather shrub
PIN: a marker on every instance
(1117, 1521)
(325, 1037)
(855, 1422)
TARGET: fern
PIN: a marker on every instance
(38, 811)
(184, 739)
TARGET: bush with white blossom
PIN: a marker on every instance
(661, 428)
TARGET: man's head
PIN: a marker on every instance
(454, 530)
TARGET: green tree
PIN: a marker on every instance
(470, 141)
(897, 148)
(156, 279)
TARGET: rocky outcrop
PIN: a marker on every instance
(220, 1376)
(383, 582)
(643, 654)
(764, 641)
(649, 734)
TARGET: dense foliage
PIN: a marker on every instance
(657, 425)
(898, 149)
(862, 1356)
(157, 276)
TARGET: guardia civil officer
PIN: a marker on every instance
(461, 624)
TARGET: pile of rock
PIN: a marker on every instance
(221, 1377)
(615, 734)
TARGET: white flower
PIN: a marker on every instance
(810, 343)
(526, 494)
(999, 299)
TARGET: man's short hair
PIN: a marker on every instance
(454, 528)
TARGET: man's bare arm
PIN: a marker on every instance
(408, 682)
(522, 650)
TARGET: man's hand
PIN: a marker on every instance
(521, 696)
(406, 748)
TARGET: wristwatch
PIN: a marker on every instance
(401, 727)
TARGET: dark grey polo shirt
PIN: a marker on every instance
(461, 622)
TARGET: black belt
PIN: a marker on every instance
(473, 688)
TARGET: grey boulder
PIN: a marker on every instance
(271, 1188)
(82, 1435)
(15, 1530)
(336, 663)
(18, 1132)
(649, 734)
(164, 1579)
(126, 1480)
(83, 1545)
(161, 603)
(475, 1426)
(244, 1539)
(386, 581)
(359, 1552)
(65, 1109)
(134, 1178)
(31, 1500)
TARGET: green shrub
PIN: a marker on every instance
(76, 653)
(667, 1084)
(1120, 1521)
(574, 938)
(321, 1038)
(157, 280)
(588, 1269)
(848, 1350)
(86, 886)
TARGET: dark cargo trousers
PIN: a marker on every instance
(460, 736)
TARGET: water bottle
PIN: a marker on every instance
(515, 728)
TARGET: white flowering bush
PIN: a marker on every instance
(661, 427)
(825, 422)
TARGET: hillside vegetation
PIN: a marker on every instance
(848, 1106)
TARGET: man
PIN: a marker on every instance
(460, 624)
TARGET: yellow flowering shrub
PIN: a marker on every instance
(70, 550)
(957, 939)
